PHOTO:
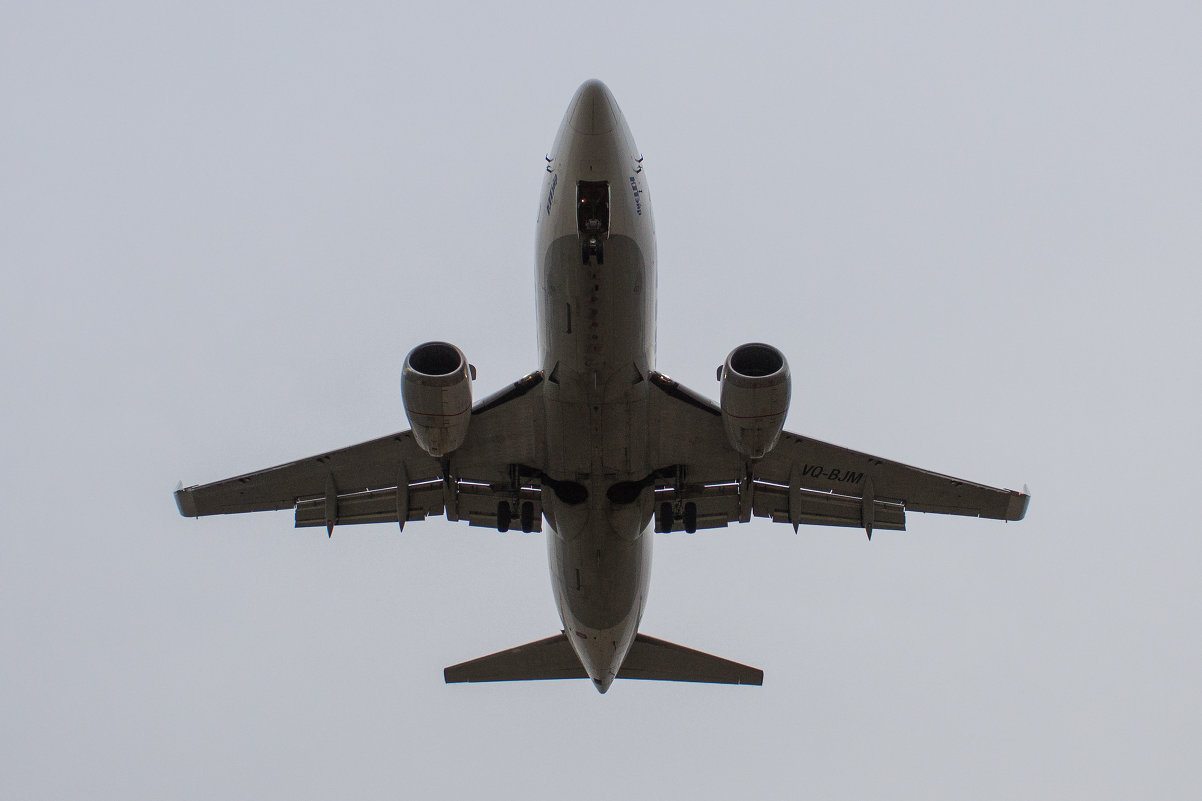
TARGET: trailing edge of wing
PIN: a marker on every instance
(648, 659)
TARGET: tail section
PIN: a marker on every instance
(648, 658)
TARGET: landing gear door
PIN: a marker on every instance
(592, 208)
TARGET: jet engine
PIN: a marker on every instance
(755, 398)
(436, 386)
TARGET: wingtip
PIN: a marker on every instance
(1019, 501)
(185, 501)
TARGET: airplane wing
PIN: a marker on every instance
(705, 483)
(486, 482)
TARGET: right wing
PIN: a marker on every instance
(488, 481)
(801, 481)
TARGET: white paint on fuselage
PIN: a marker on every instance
(596, 327)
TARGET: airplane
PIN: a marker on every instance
(596, 442)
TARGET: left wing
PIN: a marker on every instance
(491, 480)
(706, 483)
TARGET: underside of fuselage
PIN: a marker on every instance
(596, 265)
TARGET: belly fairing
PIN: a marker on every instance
(601, 570)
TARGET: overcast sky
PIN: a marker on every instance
(974, 229)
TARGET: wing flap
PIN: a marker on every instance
(808, 507)
(477, 504)
(719, 505)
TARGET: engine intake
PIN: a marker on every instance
(755, 398)
(436, 387)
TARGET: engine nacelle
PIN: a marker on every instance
(755, 398)
(436, 386)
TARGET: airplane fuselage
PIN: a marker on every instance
(595, 253)
(597, 441)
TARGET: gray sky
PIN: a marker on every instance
(973, 230)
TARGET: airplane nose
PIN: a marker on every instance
(594, 110)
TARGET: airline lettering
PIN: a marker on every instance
(834, 474)
(638, 203)
(551, 193)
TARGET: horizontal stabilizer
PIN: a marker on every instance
(552, 658)
(658, 660)
(648, 658)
